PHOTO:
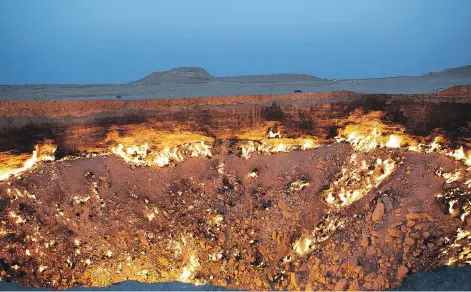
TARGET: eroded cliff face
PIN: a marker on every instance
(86, 123)
(303, 191)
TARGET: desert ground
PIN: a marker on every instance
(196, 82)
(352, 185)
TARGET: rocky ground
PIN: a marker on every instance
(334, 191)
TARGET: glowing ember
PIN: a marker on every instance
(273, 135)
(151, 216)
(189, 270)
(217, 219)
(18, 219)
(253, 174)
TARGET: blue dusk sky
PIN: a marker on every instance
(115, 41)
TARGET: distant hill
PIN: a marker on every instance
(270, 78)
(463, 71)
(197, 75)
(181, 75)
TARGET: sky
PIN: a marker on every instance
(116, 41)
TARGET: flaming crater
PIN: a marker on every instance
(354, 199)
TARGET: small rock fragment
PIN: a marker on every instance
(409, 241)
(416, 216)
(341, 285)
(353, 261)
(394, 232)
(295, 280)
(378, 213)
(401, 272)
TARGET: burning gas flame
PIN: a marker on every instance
(449, 176)
(321, 233)
(276, 145)
(394, 141)
(140, 155)
(42, 152)
(366, 132)
(357, 179)
(460, 250)
(189, 270)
